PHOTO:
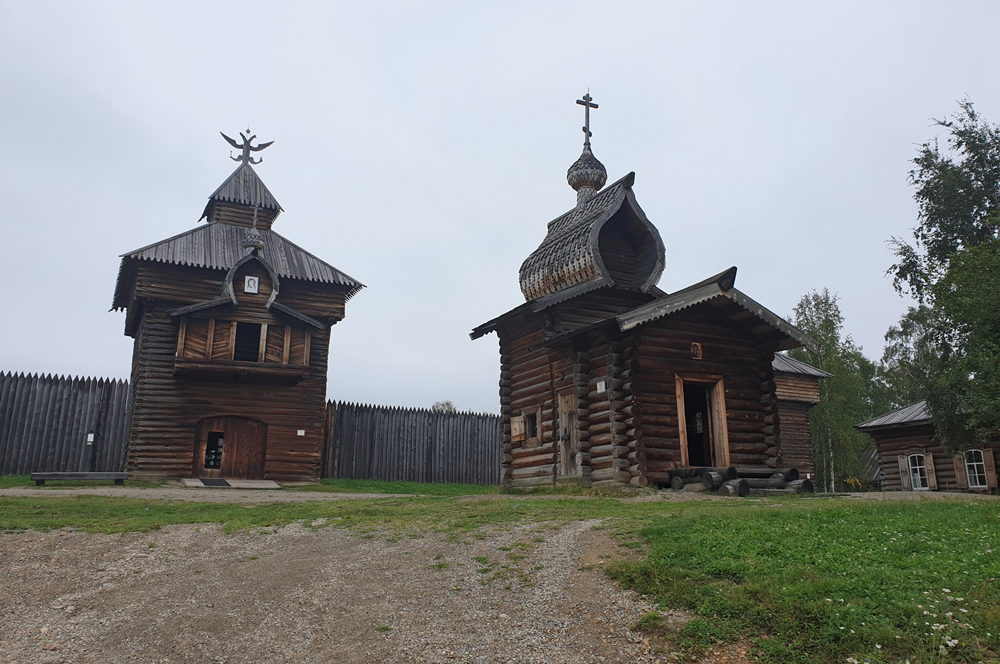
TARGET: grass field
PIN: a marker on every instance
(808, 580)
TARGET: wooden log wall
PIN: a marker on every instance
(591, 308)
(796, 440)
(664, 350)
(769, 401)
(189, 285)
(506, 458)
(920, 440)
(796, 397)
(166, 409)
(413, 445)
(609, 451)
(581, 391)
(533, 461)
(45, 420)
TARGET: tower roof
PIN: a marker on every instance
(244, 187)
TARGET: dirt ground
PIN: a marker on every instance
(191, 593)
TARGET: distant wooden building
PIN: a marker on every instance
(913, 459)
(606, 379)
(231, 323)
(797, 388)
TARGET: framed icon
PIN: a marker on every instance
(251, 284)
(696, 351)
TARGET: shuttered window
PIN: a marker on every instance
(918, 472)
(975, 469)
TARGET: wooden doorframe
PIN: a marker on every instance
(231, 444)
(718, 423)
(567, 424)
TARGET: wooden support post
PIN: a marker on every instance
(262, 347)
(180, 337)
(232, 340)
(211, 339)
(288, 345)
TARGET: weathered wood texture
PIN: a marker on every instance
(796, 440)
(625, 392)
(803, 389)
(45, 420)
(665, 351)
(414, 445)
(921, 439)
(166, 409)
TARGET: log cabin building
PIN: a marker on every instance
(913, 458)
(796, 385)
(231, 324)
(607, 380)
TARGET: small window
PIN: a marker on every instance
(918, 472)
(975, 469)
(213, 450)
(531, 426)
(247, 346)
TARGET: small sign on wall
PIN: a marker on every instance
(251, 284)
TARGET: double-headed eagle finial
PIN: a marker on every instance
(246, 148)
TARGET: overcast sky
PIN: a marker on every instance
(421, 147)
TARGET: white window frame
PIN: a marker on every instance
(974, 470)
(918, 481)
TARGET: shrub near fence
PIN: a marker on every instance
(414, 445)
(45, 422)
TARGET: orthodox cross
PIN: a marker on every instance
(246, 148)
(587, 103)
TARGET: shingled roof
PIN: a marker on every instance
(912, 415)
(243, 187)
(568, 262)
(784, 364)
(218, 246)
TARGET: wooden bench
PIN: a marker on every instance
(40, 478)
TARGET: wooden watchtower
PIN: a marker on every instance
(231, 323)
(605, 378)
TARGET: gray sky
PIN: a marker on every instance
(421, 147)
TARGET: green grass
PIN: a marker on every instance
(24, 481)
(412, 488)
(821, 582)
(786, 574)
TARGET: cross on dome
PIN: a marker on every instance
(587, 103)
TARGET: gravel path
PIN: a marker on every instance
(193, 594)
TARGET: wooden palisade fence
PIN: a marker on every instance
(415, 445)
(46, 421)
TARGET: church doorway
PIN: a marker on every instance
(702, 425)
(569, 441)
(230, 448)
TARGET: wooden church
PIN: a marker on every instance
(231, 323)
(606, 379)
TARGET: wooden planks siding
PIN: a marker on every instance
(44, 422)
(414, 445)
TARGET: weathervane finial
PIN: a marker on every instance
(246, 148)
(587, 103)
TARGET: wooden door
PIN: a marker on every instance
(569, 441)
(230, 448)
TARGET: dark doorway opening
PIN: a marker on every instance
(213, 450)
(230, 447)
(247, 346)
(697, 419)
